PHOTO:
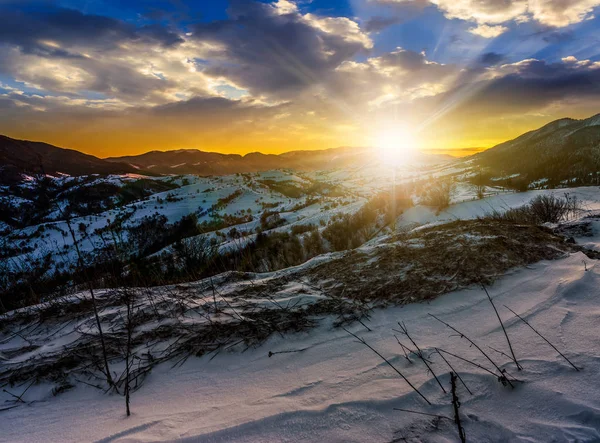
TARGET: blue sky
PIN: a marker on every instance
(275, 75)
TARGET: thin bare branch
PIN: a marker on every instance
(544, 338)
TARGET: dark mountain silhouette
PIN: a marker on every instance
(565, 149)
(26, 157)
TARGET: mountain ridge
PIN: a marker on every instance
(31, 157)
(19, 157)
(562, 150)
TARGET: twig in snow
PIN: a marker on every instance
(545, 339)
(452, 369)
(503, 379)
(419, 353)
(514, 358)
(404, 349)
(19, 398)
(286, 352)
(500, 352)
(423, 413)
(456, 405)
(366, 327)
(500, 378)
(389, 364)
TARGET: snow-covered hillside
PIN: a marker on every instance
(336, 389)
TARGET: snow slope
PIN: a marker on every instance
(338, 390)
(589, 197)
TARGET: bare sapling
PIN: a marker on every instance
(129, 301)
(81, 265)
(544, 338)
(502, 377)
(362, 341)
(419, 353)
(456, 405)
(514, 358)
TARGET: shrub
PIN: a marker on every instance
(223, 202)
(194, 255)
(270, 220)
(438, 195)
(139, 189)
(541, 209)
(313, 244)
(301, 229)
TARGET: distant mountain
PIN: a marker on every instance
(19, 157)
(565, 149)
(26, 157)
(191, 161)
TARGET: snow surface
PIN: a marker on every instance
(589, 197)
(336, 390)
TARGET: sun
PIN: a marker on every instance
(396, 145)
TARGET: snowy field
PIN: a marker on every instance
(338, 390)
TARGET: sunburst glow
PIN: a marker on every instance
(396, 145)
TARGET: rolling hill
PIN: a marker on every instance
(26, 157)
(563, 150)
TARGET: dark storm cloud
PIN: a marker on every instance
(539, 83)
(271, 52)
(26, 25)
(558, 37)
(376, 24)
(524, 86)
(490, 58)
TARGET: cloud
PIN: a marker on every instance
(33, 28)
(555, 13)
(487, 31)
(560, 13)
(367, 91)
(376, 24)
(275, 50)
(558, 37)
(490, 58)
(63, 51)
(528, 85)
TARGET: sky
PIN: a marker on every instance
(117, 77)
